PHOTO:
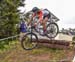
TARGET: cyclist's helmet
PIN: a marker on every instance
(35, 9)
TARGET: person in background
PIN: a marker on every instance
(23, 29)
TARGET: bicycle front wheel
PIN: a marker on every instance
(29, 41)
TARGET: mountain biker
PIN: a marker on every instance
(43, 15)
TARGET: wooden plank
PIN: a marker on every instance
(59, 42)
(54, 46)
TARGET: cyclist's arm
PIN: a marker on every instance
(31, 19)
(40, 17)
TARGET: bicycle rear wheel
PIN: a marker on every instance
(52, 30)
(29, 41)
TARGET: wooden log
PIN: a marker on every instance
(59, 42)
(54, 46)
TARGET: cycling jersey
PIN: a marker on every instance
(42, 14)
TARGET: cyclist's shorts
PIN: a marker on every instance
(46, 15)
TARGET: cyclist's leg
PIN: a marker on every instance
(44, 23)
(45, 19)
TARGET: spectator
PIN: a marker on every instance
(22, 29)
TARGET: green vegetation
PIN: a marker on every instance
(7, 45)
(73, 39)
(9, 17)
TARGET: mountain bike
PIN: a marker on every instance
(29, 41)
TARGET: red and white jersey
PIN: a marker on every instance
(41, 13)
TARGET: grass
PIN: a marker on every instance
(39, 54)
(4, 46)
(54, 54)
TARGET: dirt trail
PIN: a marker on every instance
(19, 55)
(41, 54)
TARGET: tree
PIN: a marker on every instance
(9, 16)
